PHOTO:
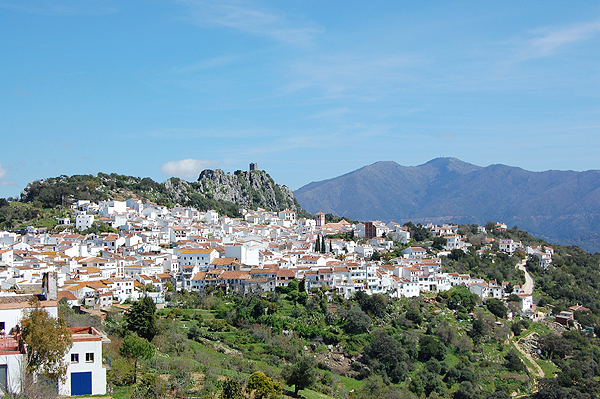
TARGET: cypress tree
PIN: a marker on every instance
(318, 245)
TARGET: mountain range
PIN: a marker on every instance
(559, 206)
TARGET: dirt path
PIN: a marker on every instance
(537, 371)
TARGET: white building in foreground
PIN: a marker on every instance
(85, 373)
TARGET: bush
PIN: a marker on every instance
(513, 361)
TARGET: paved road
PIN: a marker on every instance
(528, 287)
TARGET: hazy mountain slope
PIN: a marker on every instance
(560, 206)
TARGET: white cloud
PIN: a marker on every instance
(553, 39)
(186, 168)
(549, 40)
(258, 21)
(3, 183)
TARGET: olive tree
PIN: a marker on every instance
(301, 374)
(48, 339)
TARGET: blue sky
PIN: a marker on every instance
(309, 90)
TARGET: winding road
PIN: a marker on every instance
(529, 283)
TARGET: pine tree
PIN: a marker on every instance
(141, 319)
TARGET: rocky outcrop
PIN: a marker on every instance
(249, 189)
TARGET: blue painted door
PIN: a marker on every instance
(81, 383)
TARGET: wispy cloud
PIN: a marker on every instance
(186, 168)
(348, 74)
(551, 39)
(59, 7)
(253, 19)
(3, 172)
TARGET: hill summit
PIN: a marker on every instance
(215, 189)
(560, 206)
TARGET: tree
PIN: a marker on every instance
(318, 245)
(301, 374)
(232, 389)
(141, 319)
(466, 391)
(414, 315)
(301, 285)
(513, 361)
(357, 321)
(135, 347)
(263, 387)
(48, 340)
(446, 333)
(430, 346)
(461, 296)
(387, 356)
(554, 346)
(376, 305)
(439, 243)
(478, 331)
(496, 307)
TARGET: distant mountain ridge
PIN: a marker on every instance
(559, 206)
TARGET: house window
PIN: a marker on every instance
(89, 357)
(74, 357)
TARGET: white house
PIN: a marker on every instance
(200, 257)
(508, 246)
(84, 221)
(85, 373)
(365, 251)
(414, 252)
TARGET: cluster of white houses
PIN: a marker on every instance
(156, 249)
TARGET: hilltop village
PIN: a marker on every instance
(152, 249)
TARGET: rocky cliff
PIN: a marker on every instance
(249, 189)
